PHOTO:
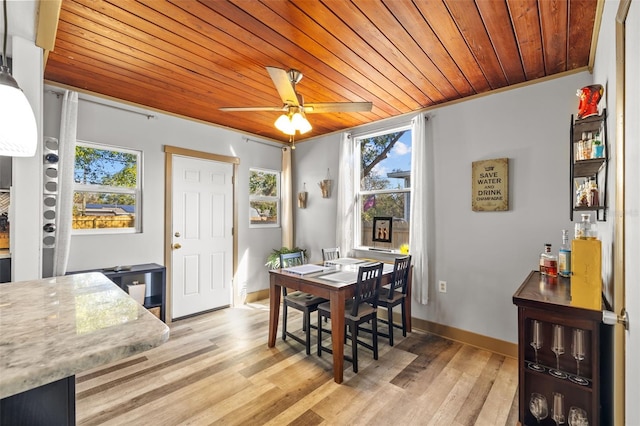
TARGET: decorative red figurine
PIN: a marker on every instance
(589, 98)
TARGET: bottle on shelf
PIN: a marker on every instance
(582, 195)
(593, 198)
(586, 146)
(580, 147)
(548, 262)
(564, 255)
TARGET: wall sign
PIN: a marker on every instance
(490, 185)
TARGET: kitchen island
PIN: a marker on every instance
(51, 329)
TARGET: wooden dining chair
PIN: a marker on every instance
(304, 302)
(394, 294)
(362, 308)
(330, 253)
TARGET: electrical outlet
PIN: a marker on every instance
(443, 286)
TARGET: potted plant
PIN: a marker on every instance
(598, 148)
(273, 260)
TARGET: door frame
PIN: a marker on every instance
(170, 151)
(619, 353)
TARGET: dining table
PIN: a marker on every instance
(334, 281)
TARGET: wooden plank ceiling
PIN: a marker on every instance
(190, 57)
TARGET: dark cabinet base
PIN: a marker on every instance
(5, 270)
(152, 274)
(50, 404)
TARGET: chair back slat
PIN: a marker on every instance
(400, 276)
(330, 253)
(368, 286)
(291, 259)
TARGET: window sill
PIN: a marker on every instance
(378, 254)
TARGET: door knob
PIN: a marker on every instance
(610, 318)
(176, 246)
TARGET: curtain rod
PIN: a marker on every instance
(271, 144)
(149, 116)
(388, 125)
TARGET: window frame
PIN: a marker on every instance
(92, 188)
(360, 195)
(264, 198)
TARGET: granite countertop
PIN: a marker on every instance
(58, 327)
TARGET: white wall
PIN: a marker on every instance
(113, 126)
(26, 192)
(605, 73)
(484, 257)
(316, 224)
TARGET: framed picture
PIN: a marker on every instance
(382, 230)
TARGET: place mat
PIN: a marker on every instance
(341, 277)
(345, 261)
(304, 269)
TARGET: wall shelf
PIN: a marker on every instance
(590, 168)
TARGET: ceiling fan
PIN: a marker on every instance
(294, 109)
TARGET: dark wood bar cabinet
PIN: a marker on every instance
(564, 362)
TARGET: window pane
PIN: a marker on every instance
(263, 184)
(99, 210)
(385, 205)
(263, 212)
(95, 166)
(107, 189)
(386, 161)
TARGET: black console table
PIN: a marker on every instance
(152, 274)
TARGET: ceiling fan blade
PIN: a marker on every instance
(322, 107)
(283, 85)
(255, 108)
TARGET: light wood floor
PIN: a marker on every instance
(217, 369)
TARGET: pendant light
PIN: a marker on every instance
(18, 130)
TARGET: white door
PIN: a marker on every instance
(202, 240)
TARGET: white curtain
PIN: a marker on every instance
(64, 207)
(346, 199)
(421, 210)
(286, 189)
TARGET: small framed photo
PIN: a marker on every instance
(382, 229)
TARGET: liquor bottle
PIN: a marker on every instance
(564, 255)
(585, 230)
(594, 198)
(548, 262)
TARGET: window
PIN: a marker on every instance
(107, 190)
(264, 198)
(383, 188)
